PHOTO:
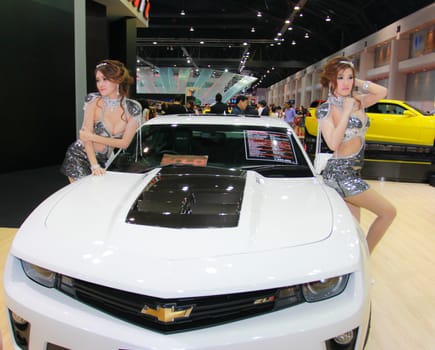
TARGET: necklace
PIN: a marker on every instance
(112, 103)
(336, 100)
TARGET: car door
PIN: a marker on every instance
(392, 123)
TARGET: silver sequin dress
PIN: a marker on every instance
(344, 173)
(76, 164)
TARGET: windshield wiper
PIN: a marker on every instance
(280, 170)
(266, 166)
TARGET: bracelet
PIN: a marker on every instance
(95, 167)
(365, 86)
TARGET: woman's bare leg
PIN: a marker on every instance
(71, 180)
(381, 207)
(355, 210)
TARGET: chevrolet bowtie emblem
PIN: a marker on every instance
(167, 313)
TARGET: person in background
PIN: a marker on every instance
(289, 113)
(206, 108)
(145, 111)
(190, 106)
(241, 105)
(219, 107)
(251, 108)
(278, 112)
(176, 107)
(110, 121)
(263, 109)
(343, 125)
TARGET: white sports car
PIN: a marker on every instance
(208, 232)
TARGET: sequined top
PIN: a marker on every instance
(132, 108)
(355, 126)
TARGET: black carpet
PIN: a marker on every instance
(22, 191)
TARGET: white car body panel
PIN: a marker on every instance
(290, 231)
(99, 250)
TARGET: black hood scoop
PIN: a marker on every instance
(190, 197)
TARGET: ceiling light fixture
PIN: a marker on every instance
(287, 21)
(191, 29)
(297, 8)
(328, 19)
(189, 58)
(252, 30)
(290, 28)
(306, 35)
(259, 14)
(182, 13)
(293, 42)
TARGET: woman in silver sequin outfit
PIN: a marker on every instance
(110, 121)
(343, 124)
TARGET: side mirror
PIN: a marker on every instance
(408, 114)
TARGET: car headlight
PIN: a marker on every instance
(40, 275)
(324, 289)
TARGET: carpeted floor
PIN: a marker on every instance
(22, 191)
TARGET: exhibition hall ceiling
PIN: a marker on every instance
(265, 39)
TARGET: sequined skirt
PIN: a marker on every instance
(344, 175)
(76, 164)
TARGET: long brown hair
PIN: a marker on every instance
(328, 77)
(116, 72)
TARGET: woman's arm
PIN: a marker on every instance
(372, 92)
(88, 124)
(335, 124)
(124, 142)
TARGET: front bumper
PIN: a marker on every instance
(55, 318)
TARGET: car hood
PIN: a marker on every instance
(86, 233)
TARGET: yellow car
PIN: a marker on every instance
(397, 130)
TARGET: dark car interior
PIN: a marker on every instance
(270, 151)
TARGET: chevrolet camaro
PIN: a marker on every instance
(398, 131)
(207, 232)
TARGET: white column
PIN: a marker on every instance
(80, 59)
(397, 80)
(301, 101)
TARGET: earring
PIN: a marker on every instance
(117, 90)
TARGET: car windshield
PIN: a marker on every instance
(271, 151)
